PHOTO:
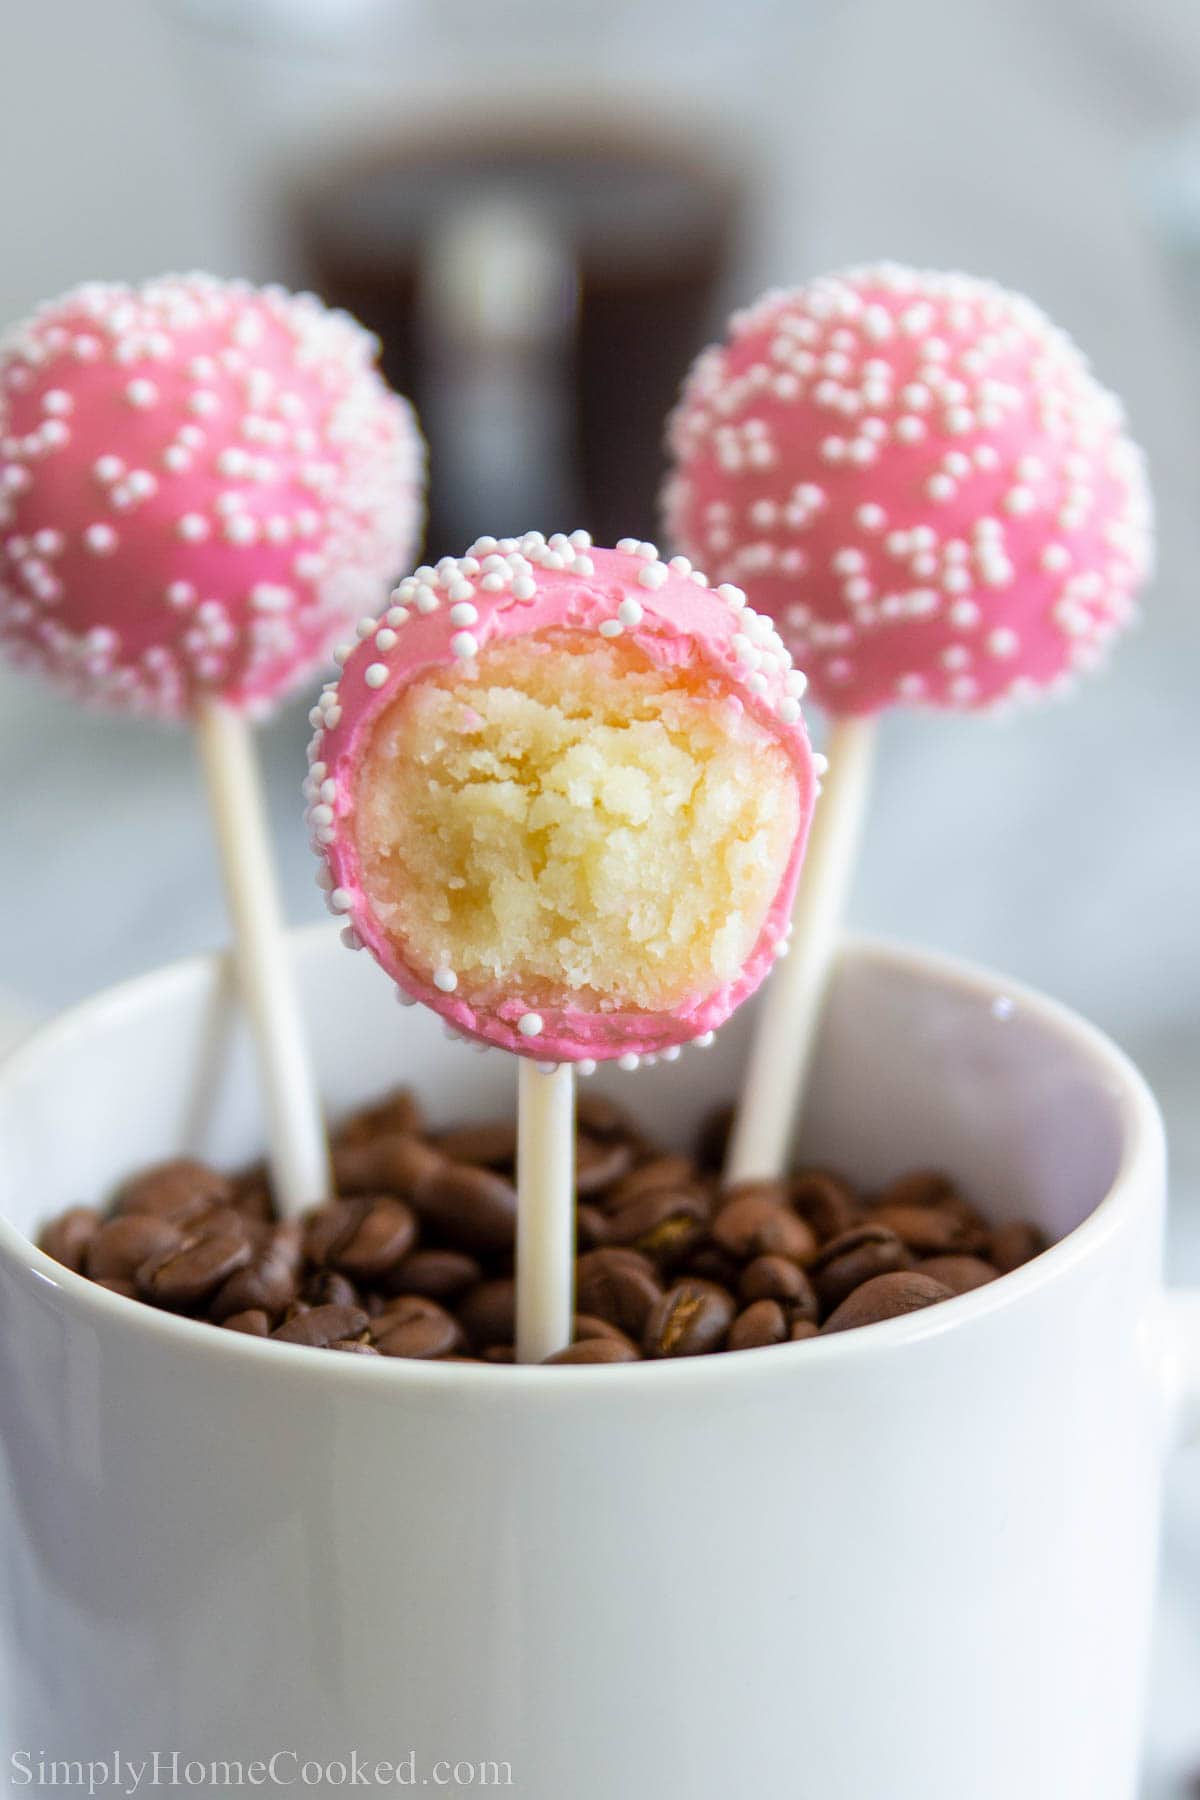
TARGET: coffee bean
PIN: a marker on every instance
(930, 1230)
(329, 1287)
(585, 1326)
(712, 1139)
(959, 1273)
(356, 1346)
(591, 1227)
(194, 1269)
(762, 1323)
(500, 1353)
(603, 1118)
(418, 1328)
(594, 1350)
(886, 1297)
(395, 1164)
(824, 1199)
(600, 1163)
(254, 1322)
(920, 1187)
(437, 1274)
(66, 1238)
(711, 1263)
(804, 1328)
(775, 1278)
(662, 1172)
(179, 1191)
(854, 1257)
(778, 1191)
(663, 1223)
(365, 1238)
(322, 1326)
(490, 1146)
(117, 1285)
(1013, 1244)
(692, 1319)
(120, 1247)
(758, 1224)
(399, 1112)
(489, 1313)
(475, 1209)
(269, 1280)
(613, 1288)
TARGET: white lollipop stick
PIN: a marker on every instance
(545, 1210)
(777, 1070)
(298, 1151)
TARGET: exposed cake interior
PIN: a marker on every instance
(564, 822)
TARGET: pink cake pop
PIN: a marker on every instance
(201, 484)
(918, 477)
(562, 796)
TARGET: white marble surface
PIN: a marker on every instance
(1065, 848)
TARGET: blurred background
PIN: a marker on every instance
(624, 170)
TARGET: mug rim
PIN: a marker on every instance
(1142, 1148)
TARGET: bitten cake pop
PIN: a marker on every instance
(201, 485)
(918, 477)
(562, 795)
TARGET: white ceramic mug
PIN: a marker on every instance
(908, 1563)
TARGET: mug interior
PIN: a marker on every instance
(921, 1062)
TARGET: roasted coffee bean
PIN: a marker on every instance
(179, 1191)
(329, 1287)
(585, 1326)
(399, 1112)
(252, 1195)
(355, 1345)
(437, 1274)
(488, 1314)
(804, 1328)
(500, 1353)
(600, 1163)
(418, 1328)
(959, 1273)
(254, 1322)
(117, 1285)
(614, 1288)
(762, 1323)
(691, 1319)
(712, 1139)
(662, 1172)
(194, 1269)
(475, 1209)
(364, 1238)
(1013, 1244)
(322, 1326)
(920, 1187)
(854, 1257)
(491, 1146)
(603, 1118)
(886, 1297)
(931, 1230)
(394, 1164)
(662, 1223)
(775, 1278)
(822, 1198)
(760, 1224)
(66, 1238)
(269, 1280)
(120, 1247)
(777, 1191)
(591, 1227)
(712, 1263)
(594, 1350)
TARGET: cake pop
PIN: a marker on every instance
(562, 795)
(917, 476)
(201, 484)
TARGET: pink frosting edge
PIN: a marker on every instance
(679, 613)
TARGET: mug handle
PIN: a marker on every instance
(1181, 1335)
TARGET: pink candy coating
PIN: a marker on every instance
(918, 477)
(202, 484)
(516, 587)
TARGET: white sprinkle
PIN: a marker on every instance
(630, 612)
(385, 640)
(704, 1040)
(611, 628)
(820, 764)
(141, 392)
(351, 938)
(1003, 641)
(629, 1062)
(108, 469)
(530, 1024)
(654, 575)
(375, 674)
(789, 710)
(463, 613)
(464, 645)
(101, 540)
(445, 980)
